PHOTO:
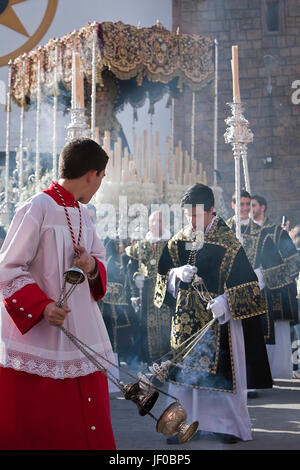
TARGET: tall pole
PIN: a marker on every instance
(7, 138)
(78, 127)
(238, 135)
(237, 178)
(193, 127)
(245, 168)
(215, 167)
(55, 102)
(37, 134)
(172, 125)
(21, 144)
(93, 95)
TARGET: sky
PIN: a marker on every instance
(70, 15)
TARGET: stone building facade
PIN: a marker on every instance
(267, 33)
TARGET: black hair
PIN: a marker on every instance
(80, 156)
(261, 200)
(243, 193)
(199, 194)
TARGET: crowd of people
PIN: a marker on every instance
(140, 300)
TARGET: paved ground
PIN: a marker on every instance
(275, 417)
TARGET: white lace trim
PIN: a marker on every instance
(51, 368)
(13, 286)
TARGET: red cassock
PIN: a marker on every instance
(41, 413)
(48, 404)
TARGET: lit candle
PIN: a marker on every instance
(166, 186)
(200, 175)
(125, 164)
(131, 170)
(167, 157)
(180, 163)
(176, 165)
(140, 159)
(235, 75)
(187, 164)
(97, 135)
(77, 77)
(194, 171)
(159, 179)
(146, 160)
(106, 141)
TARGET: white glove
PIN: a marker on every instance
(260, 277)
(139, 280)
(298, 288)
(219, 308)
(135, 302)
(186, 273)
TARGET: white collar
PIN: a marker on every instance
(243, 221)
(258, 222)
(209, 227)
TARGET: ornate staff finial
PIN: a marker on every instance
(239, 136)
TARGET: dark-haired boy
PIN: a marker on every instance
(247, 224)
(52, 397)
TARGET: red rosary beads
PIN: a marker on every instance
(69, 220)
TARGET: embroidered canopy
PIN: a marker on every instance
(146, 54)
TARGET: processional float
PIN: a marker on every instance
(90, 69)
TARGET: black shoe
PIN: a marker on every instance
(252, 394)
(172, 440)
(226, 438)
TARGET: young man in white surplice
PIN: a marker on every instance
(59, 397)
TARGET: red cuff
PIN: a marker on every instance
(98, 289)
(26, 306)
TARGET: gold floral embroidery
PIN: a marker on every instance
(173, 250)
(276, 276)
(190, 316)
(149, 255)
(250, 239)
(205, 366)
(115, 294)
(161, 289)
(158, 325)
(293, 264)
(245, 301)
(127, 51)
(250, 244)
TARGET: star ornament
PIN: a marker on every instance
(9, 18)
